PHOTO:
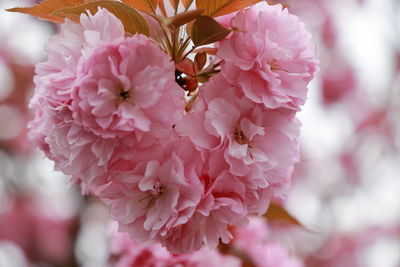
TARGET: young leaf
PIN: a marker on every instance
(130, 18)
(207, 50)
(206, 30)
(186, 66)
(44, 10)
(200, 60)
(186, 17)
(174, 4)
(192, 84)
(143, 5)
(278, 213)
(215, 8)
(189, 27)
(162, 8)
(187, 3)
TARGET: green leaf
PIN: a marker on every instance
(206, 30)
(217, 8)
(130, 18)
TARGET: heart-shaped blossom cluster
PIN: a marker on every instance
(109, 112)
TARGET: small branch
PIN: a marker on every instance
(188, 52)
(190, 3)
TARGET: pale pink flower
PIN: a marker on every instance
(269, 56)
(74, 125)
(155, 196)
(249, 141)
(209, 225)
(74, 151)
(127, 86)
(55, 77)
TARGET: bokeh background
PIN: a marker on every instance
(346, 187)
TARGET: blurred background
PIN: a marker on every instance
(345, 189)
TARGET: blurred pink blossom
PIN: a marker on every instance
(42, 238)
(254, 241)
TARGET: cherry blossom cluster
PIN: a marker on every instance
(109, 113)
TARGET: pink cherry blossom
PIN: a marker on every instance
(258, 145)
(78, 105)
(55, 77)
(75, 152)
(126, 86)
(269, 56)
(250, 152)
(209, 225)
(155, 196)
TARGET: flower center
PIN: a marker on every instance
(240, 137)
(151, 197)
(124, 95)
(160, 190)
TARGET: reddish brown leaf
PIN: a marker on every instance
(187, 3)
(200, 60)
(189, 27)
(184, 18)
(217, 8)
(44, 10)
(162, 8)
(284, 5)
(228, 249)
(143, 5)
(192, 84)
(130, 18)
(206, 30)
(186, 66)
(207, 50)
(278, 213)
(174, 4)
(156, 3)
